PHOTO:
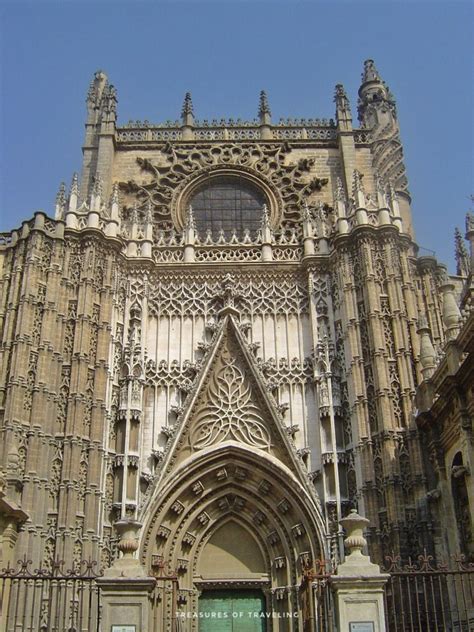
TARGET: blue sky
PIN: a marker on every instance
(225, 52)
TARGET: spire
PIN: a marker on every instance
(343, 108)
(374, 96)
(96, 88)
(73, 193)
(462, 258)
(74, 190)
(370, 72)
(187, 111)
(264, 112)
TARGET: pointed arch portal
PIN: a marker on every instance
(233, 508)
(234, 519)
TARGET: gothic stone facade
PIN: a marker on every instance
(233, 389)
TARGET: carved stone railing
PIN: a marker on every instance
(233, 130)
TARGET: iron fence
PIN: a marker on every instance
(49, 599)
(316, 597)
(429, 596)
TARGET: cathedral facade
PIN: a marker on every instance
(218, 340)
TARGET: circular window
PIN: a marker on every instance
(227, 204)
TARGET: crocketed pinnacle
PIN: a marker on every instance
(74, 190)
(462, 258)
(61, 194)
(370, 72)
(190, 222)
(114, 198)
(343, 108)
(97, 187)
(357, 182)
(264, 106)
(96, 88)
(339, 93)
(187, 109)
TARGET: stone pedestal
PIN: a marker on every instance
(358, 584)
(125, 588)
(125, 601)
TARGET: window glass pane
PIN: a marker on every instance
(228, 204)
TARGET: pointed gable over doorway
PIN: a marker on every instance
(230, 403)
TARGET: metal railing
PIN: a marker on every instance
(49, 599)
(429, 596)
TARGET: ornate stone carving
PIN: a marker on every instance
(288, 184)
(229, 412)
(202, 295)
(177, 507)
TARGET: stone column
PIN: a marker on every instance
(358, 584)
(125, 586)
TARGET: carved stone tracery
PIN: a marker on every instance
(287, 185)
(229, 412)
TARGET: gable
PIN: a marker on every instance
(231, 404)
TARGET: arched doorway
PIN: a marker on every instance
(231, 572)
(233, 519)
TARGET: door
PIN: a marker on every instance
(232, 611)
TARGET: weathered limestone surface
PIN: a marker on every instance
(259, 382)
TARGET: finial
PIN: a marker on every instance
(149, 213)
(264, 107)
(60, 201)
(61, 194)
(357, 182)
(343, 108)
(97, 187)
(187, 111)
(74, 190)
(96, 88)
(109, 99)
(370, 72)
(340, 193)
(462, 258)
(190, 221)
(264, 112)
(265, 216)
(134, 214)
(114, 198)
(306, 213)
(73, 193)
